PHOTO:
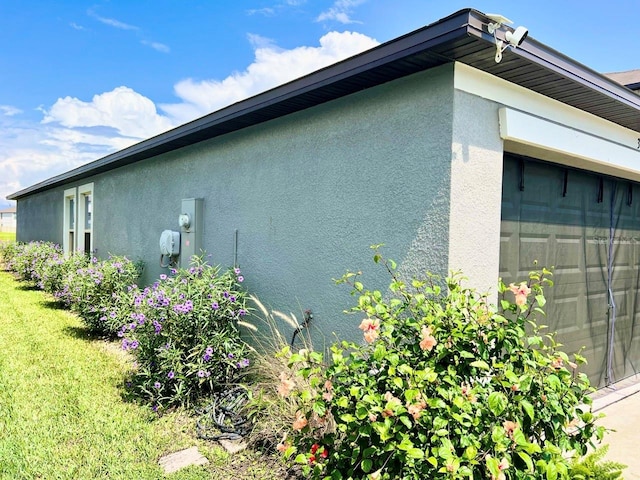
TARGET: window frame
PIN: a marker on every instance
(85, 191)
(74, 232)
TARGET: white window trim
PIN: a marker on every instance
(69, 194)
(83, 191)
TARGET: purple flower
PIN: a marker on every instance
(240, 279)
(163, 276)
(202, 373)
(232, 298)
(209, 351)
(225, 294)
(171, 374)
(134, 344)
(206, 357)
(236, 271)
(157, 326)
(215, 305)
(157, 385)
(113, 315)
(242, 312)
(243, 363)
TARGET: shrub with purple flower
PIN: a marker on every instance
(100, 292)
(28, 260)
(189, 341)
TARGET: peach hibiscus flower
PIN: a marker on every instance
(371, 328)
(286, 385)
(521, 293)
(300, 422)
(428, 340)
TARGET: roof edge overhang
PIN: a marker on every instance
(461, 37)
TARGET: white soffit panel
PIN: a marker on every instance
(523, 128)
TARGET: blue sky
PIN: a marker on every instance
(79, 79)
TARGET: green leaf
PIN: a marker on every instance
(493, 465)
(347, 418)
(526, 459)
(552, 471)
(528, 408)
(497, 403)
(470, 452)
(368, 452)
(319, 408)
(541, 300)
(406, 421)
(366, 465)
(415, 453)
(481, 364)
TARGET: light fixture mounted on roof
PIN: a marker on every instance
(514, 38)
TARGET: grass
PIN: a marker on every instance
(62, 413)
(7, 237)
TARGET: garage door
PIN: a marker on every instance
(587, 227)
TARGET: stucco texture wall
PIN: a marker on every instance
(307, 193)
(40, 217)
(476, 191)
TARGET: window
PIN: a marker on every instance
(85, 219)
(78, 219)
(69, 219)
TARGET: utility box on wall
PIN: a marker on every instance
(191, 222)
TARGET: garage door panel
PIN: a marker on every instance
(571, 230)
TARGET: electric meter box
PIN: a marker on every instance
(190, 220)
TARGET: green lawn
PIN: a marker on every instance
(7, 237)
(61, 411)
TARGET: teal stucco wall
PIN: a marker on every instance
(307, 194)
(40, 217)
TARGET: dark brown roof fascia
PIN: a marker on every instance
(260, 108)
(461, 37)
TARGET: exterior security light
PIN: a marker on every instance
(516, 37)
(513, 38)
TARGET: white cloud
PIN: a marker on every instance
(112, 22)
(340, 11)
(31, 152)
(128, 112)
(73, 131)
(76, 26)
(272, 66)
(160, 47)
(9, 111)
(267, 11)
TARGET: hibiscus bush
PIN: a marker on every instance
(444, 386)
(183, 332)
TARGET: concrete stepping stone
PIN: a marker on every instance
(175, 461)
